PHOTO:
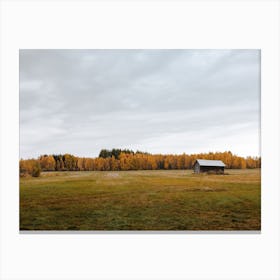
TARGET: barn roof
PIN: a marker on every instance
(206, 162)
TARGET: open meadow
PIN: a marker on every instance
(141, 200)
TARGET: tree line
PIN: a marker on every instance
(117, 160)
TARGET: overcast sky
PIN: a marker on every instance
(158, 101)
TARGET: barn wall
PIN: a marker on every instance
(211, 168)
(196, 168)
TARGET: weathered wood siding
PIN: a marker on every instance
(211, 168)
(197, 168)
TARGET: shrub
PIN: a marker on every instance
(29, 167)
(36, 170)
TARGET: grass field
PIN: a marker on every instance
(141, 200)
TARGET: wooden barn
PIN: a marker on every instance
(204, 165)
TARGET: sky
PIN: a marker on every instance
(156, 101)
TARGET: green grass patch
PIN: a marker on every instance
(141, 200)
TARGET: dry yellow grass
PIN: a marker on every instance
(141, 200)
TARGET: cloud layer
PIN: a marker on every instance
(159, 101)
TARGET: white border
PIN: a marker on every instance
(156, 24)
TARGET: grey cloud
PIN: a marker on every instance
(80, 101)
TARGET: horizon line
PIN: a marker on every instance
(142, 152)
